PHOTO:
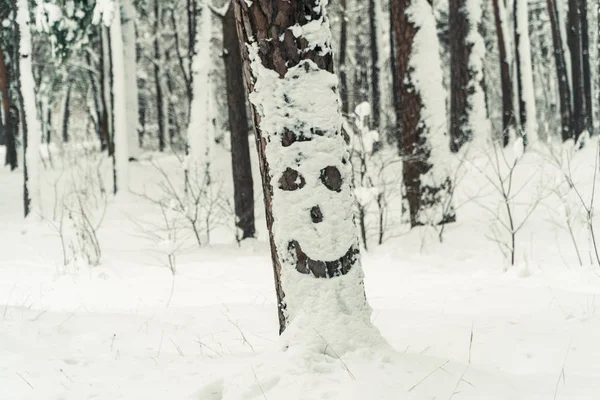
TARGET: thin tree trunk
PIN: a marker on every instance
(375, 89)
(243, 187)
(508, 115)
(9, 128)
(587, 74)
(158, 78)
(66, 115)
(458, 24)
(342, 58)
(308, 198)
(106, 84)
(564, 91)
(522, 109)
(129, 42)
(575, 47)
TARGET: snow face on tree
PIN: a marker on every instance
(312, 201)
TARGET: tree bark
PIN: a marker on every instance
(342, 58)
(375, 90)
(66, 115)
(158, 78)
(9, 128)
(308, 198)
(243, 186)
(522, 109)
(129, 43)
(564, 90)
(508, 113)
(458, 23)
(415, 143)
(575, 47)
(587, 74)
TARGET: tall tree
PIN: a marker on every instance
(585, 60)
(243, 186)
(305, 170)
(574, 40)
(564, 89)
(31, 127)
(508, 111)
(524, 73)
(9, 130)
(420, 112)
(129, 43)
(375, 69)
(158, 78)
(468, 115)
(342, 57)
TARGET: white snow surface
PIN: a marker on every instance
(459, 320)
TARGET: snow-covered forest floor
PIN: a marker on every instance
(463, 322)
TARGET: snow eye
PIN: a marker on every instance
(331, 178)
(291, 180)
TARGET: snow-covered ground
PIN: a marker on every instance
(464, 324)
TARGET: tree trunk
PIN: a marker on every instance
(575, 47)
(527, 107)
(585, 60)
(305, 169)
(375, 89)
(508, 115)
(106, 84)
(243, 187)
(9, 128)
(160, 107)
(129, 41)
(66, 114)
(522, 110)
(423, 137)
(564, 91)
(31, 127)
(121, 141)
(342, 58)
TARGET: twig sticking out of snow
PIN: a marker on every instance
(562, 371)
(428, 375)
(259, 384)
(327, 345)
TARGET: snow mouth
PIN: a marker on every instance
(322, 269)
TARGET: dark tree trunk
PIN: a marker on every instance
(160, 109)
(518, 73)
(342, 58)
(575, 47)
(564, 91)
(66, 116)
(243, 187)
(460, 50)
(508, 116)
(375, 92)
(105, 87)
(23, 122)
(281, 52)
(9, 128)
(585, 60)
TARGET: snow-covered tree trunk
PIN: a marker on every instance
(421, 113)
(564, 89)
(30, 123)
(200, 133)
(468, 115)
(578, 87)
(109, 12)
(508, 106)
(129, 16)
(161, 101)
(305, 169)
(528, 114)
(121, 137)
(9, 127)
